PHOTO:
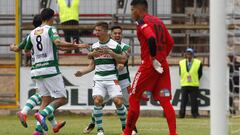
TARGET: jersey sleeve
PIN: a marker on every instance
(28, 45)
(23, 43)
(53, 34)
(118, 49)
(125, 48)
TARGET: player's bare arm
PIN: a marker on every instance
(95, 53)
(61, 43)
(88, 69)
(120, 66)
(120, 58)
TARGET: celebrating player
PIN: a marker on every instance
(153, 73)
(43, 41)
(35, 99)
(107, 53)
(123, 74)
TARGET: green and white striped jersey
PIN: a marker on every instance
(123, 75)
(105, 65)
(44, 52)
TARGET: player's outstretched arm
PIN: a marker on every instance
(63, 44)
(88, 69)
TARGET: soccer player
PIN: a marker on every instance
(107, 53)
(153, 73)
(123, 74)
(36, 98)
(43, 41)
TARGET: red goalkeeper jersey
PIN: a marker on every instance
(151, 26)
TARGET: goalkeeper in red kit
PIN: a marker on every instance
(153, 73)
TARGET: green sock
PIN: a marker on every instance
(47, 111)
(97, 112)
(92, 118)
(121, 112)
(52, 119)
(31, 103)
(38, 127)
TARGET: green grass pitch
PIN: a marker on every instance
(9, 125)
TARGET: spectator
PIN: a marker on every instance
(190, 71)
(68, 13)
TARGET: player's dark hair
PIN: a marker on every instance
(140, 2)
(104, 25)
(116, 27)
(47, 14)
(37, 21)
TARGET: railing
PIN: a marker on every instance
(185, 38)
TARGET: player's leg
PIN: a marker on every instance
(184, 101)
(46, 99)
(126, 96)
(91, 124)
(125, 92)
(142, 81)
(31, 103)
(162, 93)
(56, 88)
(56, 126)
(98, 95)
(115, 92)
(170, 114)
(38, 130)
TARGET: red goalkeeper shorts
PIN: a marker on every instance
(151, 80)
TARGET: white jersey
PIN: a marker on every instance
(123, 75)
(44, 52)
(105, 65)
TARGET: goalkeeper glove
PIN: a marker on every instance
(157, 66)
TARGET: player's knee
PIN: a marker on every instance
(63, 101)
(46, 100)
(98, 100)
(164, 102)
(118, 101)
(133, 99)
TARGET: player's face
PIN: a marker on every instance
(135, 13)
(116, 35)
(99, 31)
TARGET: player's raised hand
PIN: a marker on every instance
(78, 74)
(13, 47)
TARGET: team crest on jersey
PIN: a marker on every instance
(38, 32)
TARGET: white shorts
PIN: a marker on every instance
(125, 95)
(52, 86)
(34, 84)
(103, 88)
